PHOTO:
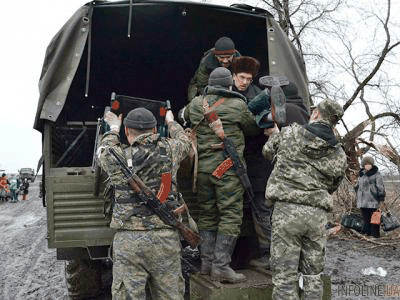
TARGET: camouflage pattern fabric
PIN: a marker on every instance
(220, 203)
(237, 122)
(200, 78)
(177, 149)
(145, 249)
(141, 253)
(307, 168)
(298, 246)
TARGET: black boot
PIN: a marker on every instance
(207, 250)
(263, 261)
(221, 271)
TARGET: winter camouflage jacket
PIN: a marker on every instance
(237, 122)
(308, 168)
(141, 152)
(200, 79)
(370, 188)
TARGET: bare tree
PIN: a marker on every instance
(328, 35)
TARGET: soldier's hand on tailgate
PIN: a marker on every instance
(113, 121)
(169, 117)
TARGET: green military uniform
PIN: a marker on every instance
(237, 121)
(220, 201)
(309, 166)
(145, 249)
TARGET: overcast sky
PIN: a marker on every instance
(26, 29)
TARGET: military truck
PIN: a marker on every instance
(143, 49)
(27, 173)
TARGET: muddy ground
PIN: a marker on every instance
(29, 270)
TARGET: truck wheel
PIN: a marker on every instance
(83, 278)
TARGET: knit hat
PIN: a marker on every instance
(220, 77)
(245, 64)
(330, 111)
(140, 118)
(367, 160)
(224, 46)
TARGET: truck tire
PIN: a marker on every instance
(83, 278)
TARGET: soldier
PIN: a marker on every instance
(244, 70)
(309, 166)
(220, 200)
(219, 56)
(3, 187)
(146, 251)
(259, 169)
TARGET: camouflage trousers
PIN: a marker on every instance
(297, 251)
(151, 258)
(220, 203)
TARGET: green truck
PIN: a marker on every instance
(147, 50)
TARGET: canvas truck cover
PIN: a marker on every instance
(150, 49)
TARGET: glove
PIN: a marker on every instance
(113, 121)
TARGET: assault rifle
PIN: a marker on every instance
(233, 159)
(150, 199)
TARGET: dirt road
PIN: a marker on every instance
(29, 270)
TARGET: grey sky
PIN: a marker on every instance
(26, 29)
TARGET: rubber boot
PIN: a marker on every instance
(263, 261)
(207, 250)
(220, 270)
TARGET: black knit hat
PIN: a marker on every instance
(224, 46)
(220, 77)
(140, 118)
(245, 64)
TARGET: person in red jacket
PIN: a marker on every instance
(4, 186)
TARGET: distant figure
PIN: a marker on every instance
(370, 193)
(24, 188)
(4, 187)
(14, 186)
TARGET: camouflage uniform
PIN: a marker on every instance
(200, 79)
(145, 249)
(309, 166)
(221, 201)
